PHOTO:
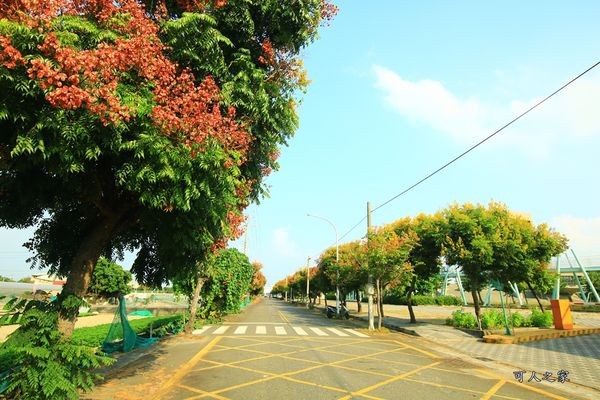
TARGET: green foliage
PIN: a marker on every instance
(519, 321)
(5, 279)
(492, 319)
(541, 319)
(461, 319)
(229, 277)
(38, 363)
(420, 300)
(109, 279)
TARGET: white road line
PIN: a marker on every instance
(337, 332)
(280, 330)
(221, 330)
(318, 331)
(300, 331)
(240, 330)
(202, 330)
(261, 330)
(356, 333)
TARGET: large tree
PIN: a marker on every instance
(142, 127)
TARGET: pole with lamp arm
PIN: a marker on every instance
(337, 257)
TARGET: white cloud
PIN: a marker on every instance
(282, 244)
(583, 234)
(572, 113)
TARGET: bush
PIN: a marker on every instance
(518, 320)
(448, 301)
(541, 319)
(421, 300)
(461, 319)
(492, 319)
(38, 364)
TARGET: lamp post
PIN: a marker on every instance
(308, 283)
(337, 257)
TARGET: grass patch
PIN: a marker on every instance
(94, 335)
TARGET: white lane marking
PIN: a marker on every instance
(318, 331)
(261, 330)
(352, 331)
(339, 333)
(220, 330)
(280, 330)
(202, 330)
(240, 330)
(300, 331)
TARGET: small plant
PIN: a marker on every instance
(541, 319)
(492, 319)
(519, 321)
(461, 319)
(37, 363)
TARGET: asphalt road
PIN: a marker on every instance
(275, 350)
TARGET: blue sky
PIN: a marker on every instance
(400, 88)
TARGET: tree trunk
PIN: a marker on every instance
(189, 326)
(358, 301)
(409, 294)
(82, 268)
(536, 296)
(477, 306)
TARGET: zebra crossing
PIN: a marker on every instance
(278, 330)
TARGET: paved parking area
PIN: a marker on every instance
(253, 367)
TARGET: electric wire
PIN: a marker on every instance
(474, 146)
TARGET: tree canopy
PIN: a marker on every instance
(147, 127)
(109, 279)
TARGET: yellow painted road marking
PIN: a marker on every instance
(182, 371)
(388, 381)
(522, 385)
(428, 354)
(283, 317)
(488, 395)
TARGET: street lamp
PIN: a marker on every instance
(337, 257)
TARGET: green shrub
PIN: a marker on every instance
(492, 319)
(541, 319)
(37, 363)
(518, 320)
(448, 301)
(461, 319)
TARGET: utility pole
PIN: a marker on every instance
(308, 283)
(370, 281)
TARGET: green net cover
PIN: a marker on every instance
(121, 336)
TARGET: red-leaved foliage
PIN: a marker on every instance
(88, 79)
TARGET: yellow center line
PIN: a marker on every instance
(186, 368)
(428, 354)
(283, 317)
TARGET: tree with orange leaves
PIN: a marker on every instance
(146, 127)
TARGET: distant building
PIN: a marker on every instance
(45, 279)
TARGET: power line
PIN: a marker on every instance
(474, 146)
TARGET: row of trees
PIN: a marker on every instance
(490, 243)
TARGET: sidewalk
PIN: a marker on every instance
(580, 355)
